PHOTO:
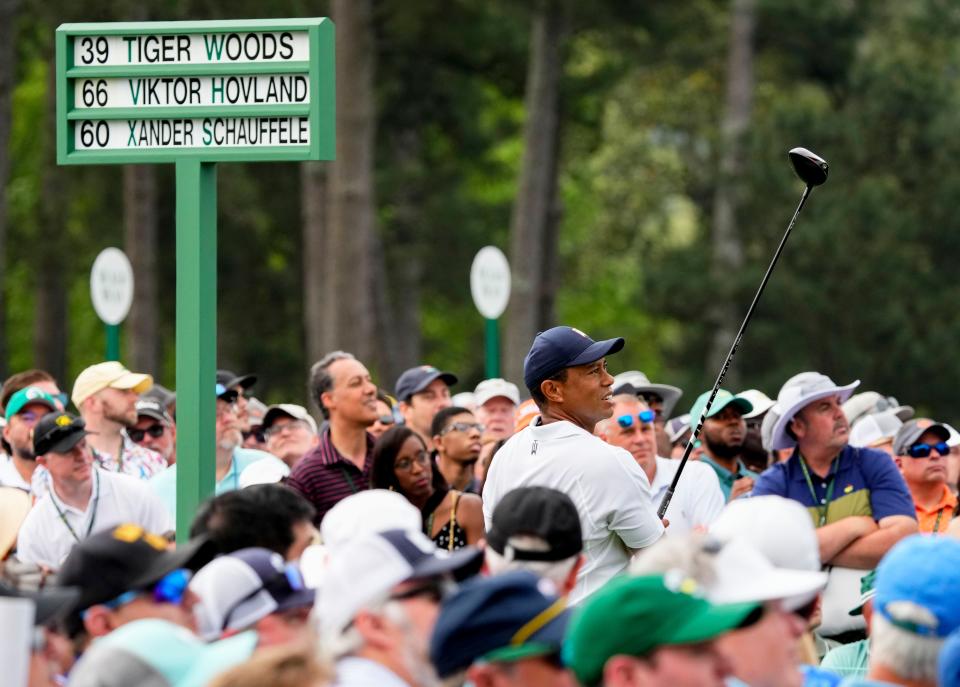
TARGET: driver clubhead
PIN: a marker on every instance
(810, 167)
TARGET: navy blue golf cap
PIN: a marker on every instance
(501, 619)
(562, 347)
(416, 379)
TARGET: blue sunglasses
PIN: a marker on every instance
(645, 417)
(170, 589)
(923, 450)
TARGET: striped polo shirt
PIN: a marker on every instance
(324, 477)
(867, 482)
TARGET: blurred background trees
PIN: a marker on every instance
(629, 157)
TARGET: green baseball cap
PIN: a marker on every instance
(867, 591)
(723, 399)
(25, 397)
(634, 615)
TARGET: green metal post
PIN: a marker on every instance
(493, 349)
(196, 336)
(113, 341)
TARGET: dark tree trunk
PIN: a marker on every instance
(8, 53)
(316, 290)
(140, 243)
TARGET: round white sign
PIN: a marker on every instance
(490, 282)
(111, 285)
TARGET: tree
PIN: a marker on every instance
(8, 23)
(140, 242)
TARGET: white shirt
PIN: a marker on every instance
(697, 500)
(9, 477)
(353, 671)
(45, 538)
(604, 482)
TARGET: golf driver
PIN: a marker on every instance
(812, 170)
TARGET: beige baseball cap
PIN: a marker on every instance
(108, 375)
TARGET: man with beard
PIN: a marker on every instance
(232, 458)
(724, 430)
(106, 396)
(24, 410)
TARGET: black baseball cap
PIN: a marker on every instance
(126, 558)
(562, 347)
(540, 512)
(416, 379)
(57, 433)
(504, 618)
(231, 379)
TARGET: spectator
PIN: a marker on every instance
(698, 499)
(754, 455)
(125, 574)
(271, 516)
(164, 397)
(914, 612)
(423, 392)
(505, 630)
(82, 499)
(451, 518)
(857, 498)
(386, 418)
(106, 396)
(290, 431)
(661, 398)
(876, 430)
(652, 630)
(340, 464)
(852, 660)
(497, 401)
(159, 653)
(231, 458)
(155, 430)
(765, 653)
(378, 604)
(39, 379)
(253, 436)
(565, 372)
(723, 434)
(457, 442)
(870, 402)
(537, 529)
(921, 454)
(242, 385)
(23, 410)
(252, 589)
(371, 511)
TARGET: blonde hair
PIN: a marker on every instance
(281, 666)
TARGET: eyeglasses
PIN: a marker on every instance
(170, 589)
(923, 450)
(273, 430)
(462, 427)
(386, 419)
(281, 585)
(644, 416)
(405, 464)
(136, 435)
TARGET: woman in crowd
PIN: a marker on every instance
(401, 463)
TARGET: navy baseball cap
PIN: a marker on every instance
(560, 348)
(503, 618)
(416, 379)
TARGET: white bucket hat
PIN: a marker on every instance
(798, 392)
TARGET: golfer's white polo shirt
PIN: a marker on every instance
(45, 538)
(697, 501)
(604, 482)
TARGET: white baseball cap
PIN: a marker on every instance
(264, 471)
(110, 374)
(798, 392)
(954, 439)
(760, 401)
(366, 568)
(492, 388)
(869, 402)
(369, 511)
(288, 410)
(874, 428)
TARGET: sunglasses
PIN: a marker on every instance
(386, 419)
(462, 427)
(644, 416)
(257, 433)
(170, 589)
(923, 450)
(137, 435)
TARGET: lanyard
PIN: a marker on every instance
(93, 516)
(346, 476)
(936, 525)
(821, 508)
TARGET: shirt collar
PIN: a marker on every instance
(558, 429)
(793, 464)
(947, 499)
(97, 489)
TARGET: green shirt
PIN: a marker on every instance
(726, 477)
(848, 660)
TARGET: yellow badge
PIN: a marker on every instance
(63, 420)
(847, 489)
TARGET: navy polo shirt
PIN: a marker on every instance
(867, 483)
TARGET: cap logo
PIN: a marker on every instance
(428, 368)
(847, 489)
(679, 582)
(911, 616)
(574, 329)
(32, 393)
(63, 421)
(131, 533)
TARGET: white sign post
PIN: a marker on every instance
(490, 288)
(111, 290)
